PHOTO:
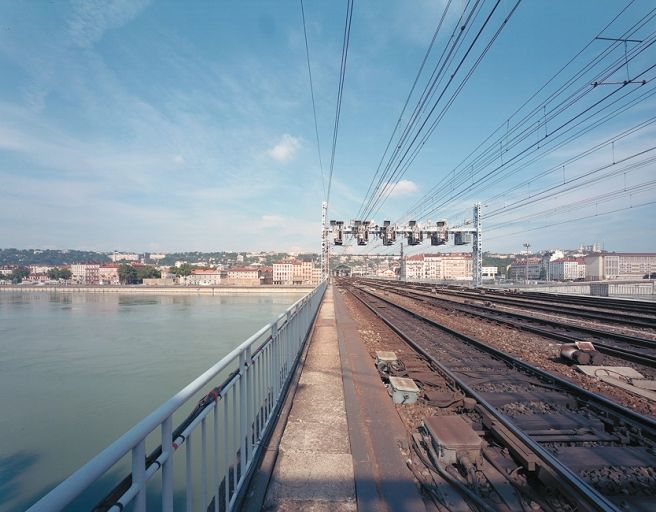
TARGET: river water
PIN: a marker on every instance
(78, 370)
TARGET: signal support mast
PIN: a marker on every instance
(414, 233)
(325, 246)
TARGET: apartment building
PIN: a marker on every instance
(566, 269)
(85, 273)
(489, 272)
(283, 272)
(619, 265)
(203, 277)
(414, 268)
(246, 276)
(124, 256)
(316, 275)
(531, 265)
(439, 266)
(108, 274)
(302, 272)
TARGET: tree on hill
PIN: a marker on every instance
(60, 273)
(183, 270)
(127, 274)
(147, 272)
(18, 274)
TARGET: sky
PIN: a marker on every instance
(167, 126)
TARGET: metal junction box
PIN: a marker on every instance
(453, 438)
(403, 391)
(384, 356)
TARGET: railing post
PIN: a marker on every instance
(189, 474)
(167, 467)
(203, 464)
(139, 475)
(216, 484)
(250, 408)
(244, 361)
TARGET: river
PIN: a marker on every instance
(78, 370)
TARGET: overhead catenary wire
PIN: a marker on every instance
(340, 90)
(424, 130)
(577, 219)
(530, 149)
(314, 108)
(521, 165)
(460, 30)
(578, 182)
(576, 107)
(596, 200)
(491, 152)
(506, 123)
(407, 101)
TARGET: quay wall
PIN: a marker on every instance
(159, 290)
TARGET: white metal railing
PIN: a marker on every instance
(241, 410)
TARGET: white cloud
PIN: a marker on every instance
(286, 149)
(179, 159)
(92, 18)
(402, 188)
(269, 221)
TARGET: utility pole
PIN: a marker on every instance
(477, 247)
(527, 245)
(325, 247)
(402, 269)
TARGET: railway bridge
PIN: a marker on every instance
(383, 395)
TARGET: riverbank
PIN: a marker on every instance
(158, 290)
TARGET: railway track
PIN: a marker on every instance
(630, 348)
(601, 311)
(634, 306)
(627, 305)
(599, 454)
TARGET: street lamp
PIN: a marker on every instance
(527, 245)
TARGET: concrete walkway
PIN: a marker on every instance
(314, 469)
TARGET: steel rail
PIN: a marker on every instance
(634, 340)
(498, 317)
(638, 420)
(630, 306)
(601, 311)
(572, 484)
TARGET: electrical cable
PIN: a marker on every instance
(340, 90)
(314, 108)
(619, 63)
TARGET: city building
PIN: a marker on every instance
(302, 272)
(453, 266)
(266, 275)
(283, 272)
(246, 276)
(160, 281)
(108, 274)
(414, 267)
(123, 256)
(40, 269)
(203, 277)
(489, 272)
(531, 266)
(37, 277)
(566, 269)
(619, 265)
(85, 273)
(316, 275)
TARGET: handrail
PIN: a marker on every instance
(289, 347)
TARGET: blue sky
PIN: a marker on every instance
(165, 125)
